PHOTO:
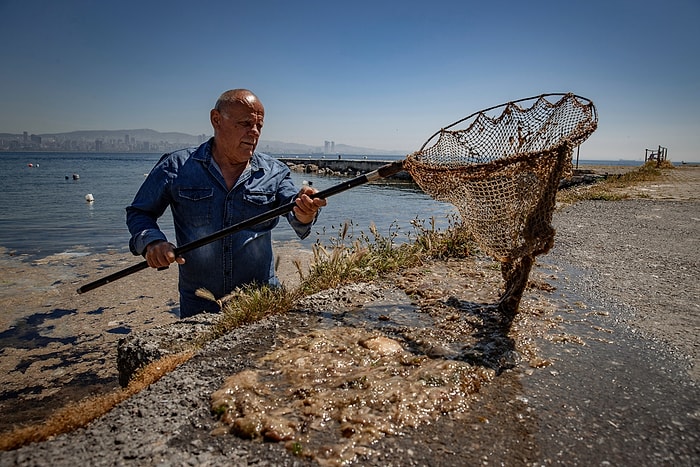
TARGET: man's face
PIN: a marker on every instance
(237, 128)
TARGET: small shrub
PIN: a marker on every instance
(455, 242)
(249, 304)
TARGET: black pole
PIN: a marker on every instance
(382, 172)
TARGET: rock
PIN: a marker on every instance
(139, 349)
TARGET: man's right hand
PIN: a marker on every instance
(160, 254)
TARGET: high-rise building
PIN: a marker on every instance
(328, 147)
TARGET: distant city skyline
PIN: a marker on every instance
(146, 140)
(374, 74)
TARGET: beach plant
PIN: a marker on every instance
(364, 258)
(454, 242)
(374, 254)
(249, 304)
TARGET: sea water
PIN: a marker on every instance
(44, 211)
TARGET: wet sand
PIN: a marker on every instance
(614, 309)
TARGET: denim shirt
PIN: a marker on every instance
(192, 185)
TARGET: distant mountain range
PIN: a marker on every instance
(155, 140)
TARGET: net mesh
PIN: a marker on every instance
(502, 173)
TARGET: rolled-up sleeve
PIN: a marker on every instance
(302, 230)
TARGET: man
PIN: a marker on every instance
(220, 183)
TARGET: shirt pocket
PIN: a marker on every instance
(260, 202)
(196, 205)
(260, 198)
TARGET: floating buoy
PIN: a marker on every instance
(89, 198)
(30, 165)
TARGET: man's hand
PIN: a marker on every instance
(307, 207)
(160, 254)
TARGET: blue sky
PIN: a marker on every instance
(375, 74)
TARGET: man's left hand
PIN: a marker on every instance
(306, 207)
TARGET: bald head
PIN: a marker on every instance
(237, 119)
(243, 97)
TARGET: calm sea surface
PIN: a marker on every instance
(43, 210)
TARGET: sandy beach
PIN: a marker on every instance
(614, 311)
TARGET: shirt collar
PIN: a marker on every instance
(205, 155)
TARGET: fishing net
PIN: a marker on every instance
(502, 173)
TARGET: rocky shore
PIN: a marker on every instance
(599, 367)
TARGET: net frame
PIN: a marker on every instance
(502, 173)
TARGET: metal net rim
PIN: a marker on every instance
(576, 137)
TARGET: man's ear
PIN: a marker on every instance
(215, 118)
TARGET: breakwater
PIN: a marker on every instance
(338, 166)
